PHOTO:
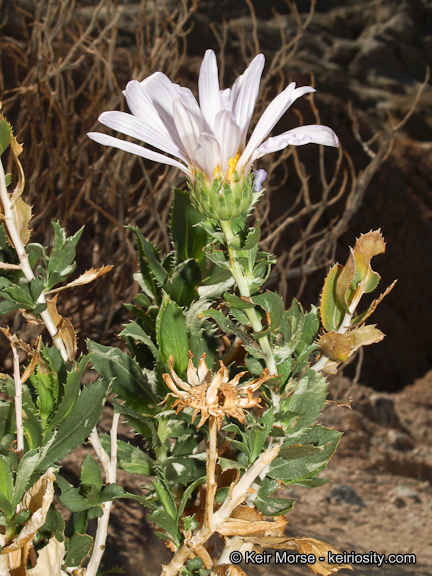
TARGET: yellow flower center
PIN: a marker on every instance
(217, 173)
(232, 163)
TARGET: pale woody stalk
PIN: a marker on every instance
(18, 402)
(110, 469)
(108, 465)
(25, 266)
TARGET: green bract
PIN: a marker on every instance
(222, 199)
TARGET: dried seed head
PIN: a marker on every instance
(212, 395)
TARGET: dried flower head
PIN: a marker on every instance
(212, 395)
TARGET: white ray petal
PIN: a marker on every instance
(244, 94)
(298, 137)
(228, 135)
(137, 128)
(208, 89)
(188, 127)
(142, 106)
(208, 154)
(189, 100)
(225, 99)
(161, 92)
(107, 140)
(271, 115)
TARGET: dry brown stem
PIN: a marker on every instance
(237, 495)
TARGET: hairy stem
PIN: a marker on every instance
(244, 289)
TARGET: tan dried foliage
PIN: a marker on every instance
(228, 570)
(85, 278)
(335, 346)
(234, 527)
(38, 500)
(22, 214)
(50, 560)
(304, 546)
(65, 328)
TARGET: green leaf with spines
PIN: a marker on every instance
(268, 487)
(91, 473)
(258, 432)
(218, 257)
(302, 407)
(184, 469)
(16, 293)
(240, 316)
(227, 464)
(54, 524)
(25, 471)
(254, 366)
(5, 134)
(273, 304)
(110, 493)
(77, 426)
(166, 522)
(134, 331)
(188, 238)
(6, 479)
(332, 310)
(127, 378)
(70, 394)
(130, 458)
(273, 506)
(76, 502)
(153, 273)
(21, 518)
(183, 282)
(6, 307)
(77, 549)
(303, 457)
(6, 506)
(202, 334)
(61, 262)
(236, 302)
(143, 425)
(164, 495)
(186, 495)
(185, 444)
(309, 331)
(229, 327)
(171, 335)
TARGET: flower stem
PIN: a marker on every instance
(244, 289)
(211, 472)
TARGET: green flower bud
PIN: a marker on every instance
(222, 199)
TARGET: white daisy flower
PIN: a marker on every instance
(207, 141)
